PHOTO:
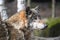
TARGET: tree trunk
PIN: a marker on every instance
(28, 3)
(21, 5)
(3, 13)
(53, 8)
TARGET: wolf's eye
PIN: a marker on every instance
(35, 18)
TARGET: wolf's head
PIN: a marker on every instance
(34, 17)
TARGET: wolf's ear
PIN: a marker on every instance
(36, 9)
(27, 9)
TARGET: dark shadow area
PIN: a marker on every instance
(55, 30)
(41, 0)
(3, 32)
(9, 1)
(44, 1)
(57, 0)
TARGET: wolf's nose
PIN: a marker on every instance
(45, 27)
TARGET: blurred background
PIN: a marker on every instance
(45, 7)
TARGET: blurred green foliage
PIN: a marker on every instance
(53, 21)
(53, 29)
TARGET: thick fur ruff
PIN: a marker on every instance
(17, 25)
(18, 20)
